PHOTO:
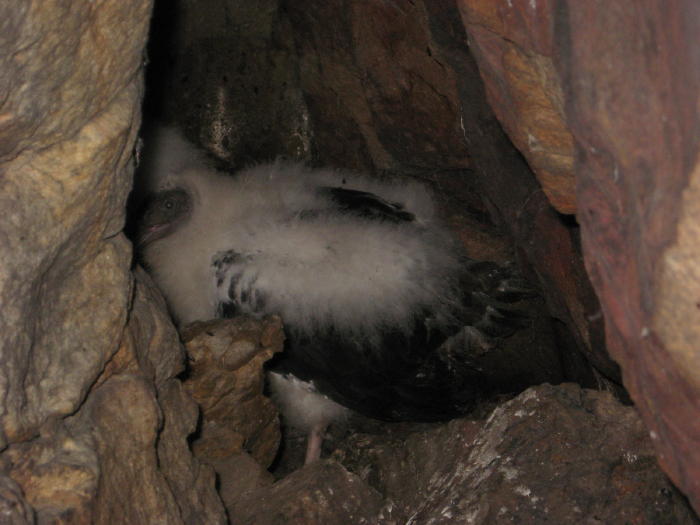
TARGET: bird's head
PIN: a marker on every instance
(164, 213)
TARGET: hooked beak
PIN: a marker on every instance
(152, 233)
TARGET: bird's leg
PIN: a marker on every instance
(314, 441)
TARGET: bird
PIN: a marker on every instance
(384, 313)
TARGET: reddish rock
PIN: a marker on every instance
(373, 74)
(629, 81)
(632, 79)
(512, 43)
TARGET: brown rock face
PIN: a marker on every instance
(61, 249)
(93, 423)
(632, 88)
(224, 71)
(13, 507)
(553, 454)
(323, 492)
(226, 379)
(381, 61)
(512, 43)
(629, 81)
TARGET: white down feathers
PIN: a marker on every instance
(355, 273)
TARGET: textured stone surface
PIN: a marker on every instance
(123, 457)
(323, 492)
(239, 479)
(58, 474)
(553, 454)
(94, 424)
(512, 43)
(328, 82)
(558, 454)
(373, 74)
(14, 509)
(630, 84)
(65, 281)
(225, 72)
(225, 378)
(635, 116)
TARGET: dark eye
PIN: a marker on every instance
(169, 204)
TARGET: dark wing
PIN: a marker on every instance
(363, 204)
(436, 370)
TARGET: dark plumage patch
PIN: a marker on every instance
(244, 298)
(434, 371)
(367, 205)
(405, 377)
(222, 263)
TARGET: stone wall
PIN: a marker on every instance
(94, 424)
(624, 79)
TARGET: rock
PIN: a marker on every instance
(123, 456)
(14, 509)
(624, 85)
(513, 44)
(556, 454)
(400, 460)
(630, 84)
(89, 355)
(640, 215)
(192, 482)
(240, 478)
(141, 418)
(58, 474)
(373, 73)
(133, 489)
(226, 379)
(323, 492)
(226, 73)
